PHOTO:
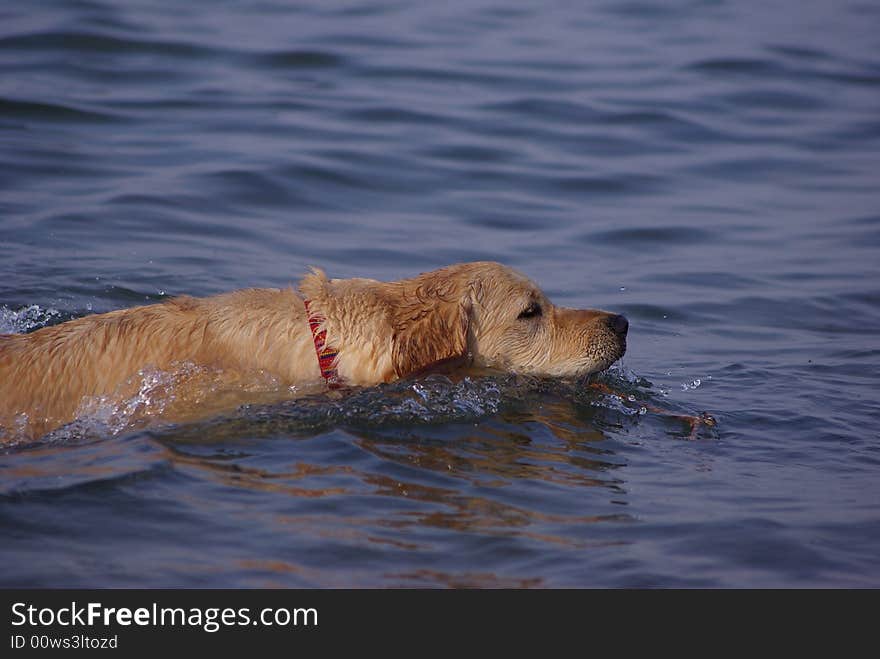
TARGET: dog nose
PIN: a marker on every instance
(619, 324)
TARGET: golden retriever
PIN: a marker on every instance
(368, 331)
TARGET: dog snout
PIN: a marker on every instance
(618, 324)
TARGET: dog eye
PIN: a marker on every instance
(531, 311)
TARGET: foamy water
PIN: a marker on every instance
(25, 319)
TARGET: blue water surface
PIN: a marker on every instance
(708, 168)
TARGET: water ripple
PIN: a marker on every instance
(57, 112)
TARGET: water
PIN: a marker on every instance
(710, 169)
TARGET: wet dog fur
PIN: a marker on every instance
(485, 313)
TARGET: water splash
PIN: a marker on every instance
(25, 319)
(433, 399)
(467, 397)
(694, 384)
(619, 373)
(442, 399)
(145, 399)
(155, 392)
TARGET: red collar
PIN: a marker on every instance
(326, 354)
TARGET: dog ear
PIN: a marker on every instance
(429, 327)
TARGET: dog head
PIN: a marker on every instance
(500, 319)
(484, 311)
